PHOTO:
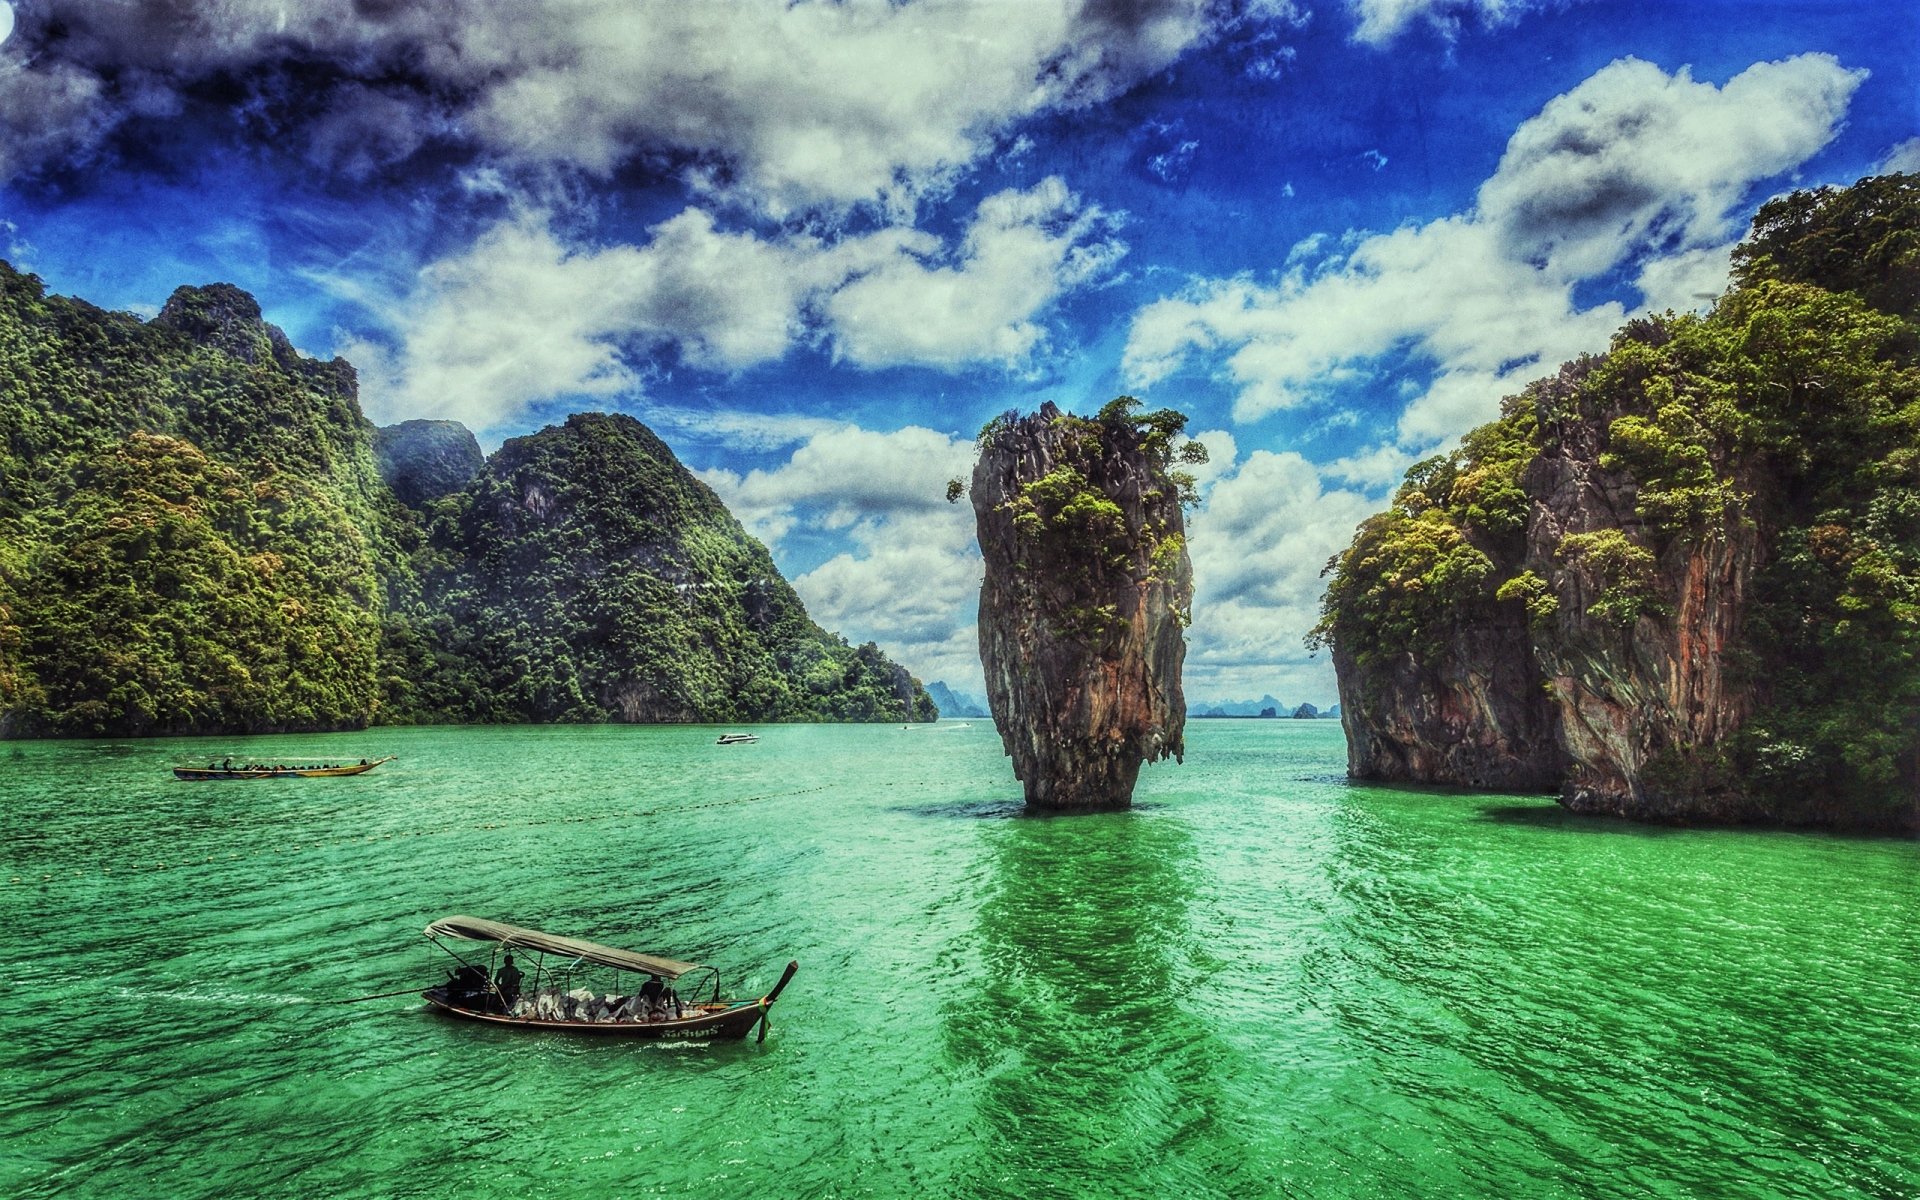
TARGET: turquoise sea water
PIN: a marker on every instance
(1263, 981)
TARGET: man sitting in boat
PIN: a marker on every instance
(509, 981)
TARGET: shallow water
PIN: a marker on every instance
(1263, 981)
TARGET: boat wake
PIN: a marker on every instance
(223, 999)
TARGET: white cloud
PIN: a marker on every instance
(1690, 280)
(1381, 21)
(1633, 165)
(1258, 547)
(1902, 158)
(1023, 249)
(911, 579)
(785, 105)
(523, 316)
(1373, 470)
(1634, 157)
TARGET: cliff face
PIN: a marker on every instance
(1643, 703)
(1086, 597)
(1473, 715)
(1675, 581)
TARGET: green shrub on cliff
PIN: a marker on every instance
(1072, 534)
(1413, 569)
(1789, 414)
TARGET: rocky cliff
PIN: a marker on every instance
(1086, 598)
(1679, 581)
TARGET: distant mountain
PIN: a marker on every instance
(955, 704)
(1264, 706)
(200, 532)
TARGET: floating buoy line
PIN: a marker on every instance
(372, 838)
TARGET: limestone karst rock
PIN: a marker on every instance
(1086, 599)
(1675, 581)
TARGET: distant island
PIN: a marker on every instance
(1681, 580)
(955, 704)
(200, 532)
(1265, 707)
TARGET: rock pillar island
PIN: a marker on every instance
(1087, 595)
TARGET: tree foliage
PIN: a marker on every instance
(1793, 409)
(194, 535)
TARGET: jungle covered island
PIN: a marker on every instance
(200, 532)
(1681, 580)
(586, 575)
(1087, 595)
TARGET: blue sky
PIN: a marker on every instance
(816, 245)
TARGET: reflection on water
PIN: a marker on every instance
(1083, 1027)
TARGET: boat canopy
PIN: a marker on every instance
(478, 929)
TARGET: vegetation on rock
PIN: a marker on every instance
(195, 535)
(1772, 444)
(1086, 593)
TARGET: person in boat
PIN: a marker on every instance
(653, 998)
(468, 983)
(509, 983)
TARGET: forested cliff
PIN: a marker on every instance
(196, 535)
(1680, 580)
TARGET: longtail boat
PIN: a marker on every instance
(565, 986)
(278, 770)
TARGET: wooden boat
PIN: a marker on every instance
(736, 739)
(556, 993)
(210, 771)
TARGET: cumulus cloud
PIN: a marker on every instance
(912, 576)
(786, 105)
(1023, 249)
(1633, 166)
(1258, 547)
(1635, 157)
(523, 315)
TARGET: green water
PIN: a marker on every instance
(1262, 982)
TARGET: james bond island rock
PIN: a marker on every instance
(1679, 581)
(1086, 599)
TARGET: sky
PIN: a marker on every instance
(816, 246)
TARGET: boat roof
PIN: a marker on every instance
(479, 929)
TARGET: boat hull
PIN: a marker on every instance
(203, 774)
(729, 1024)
